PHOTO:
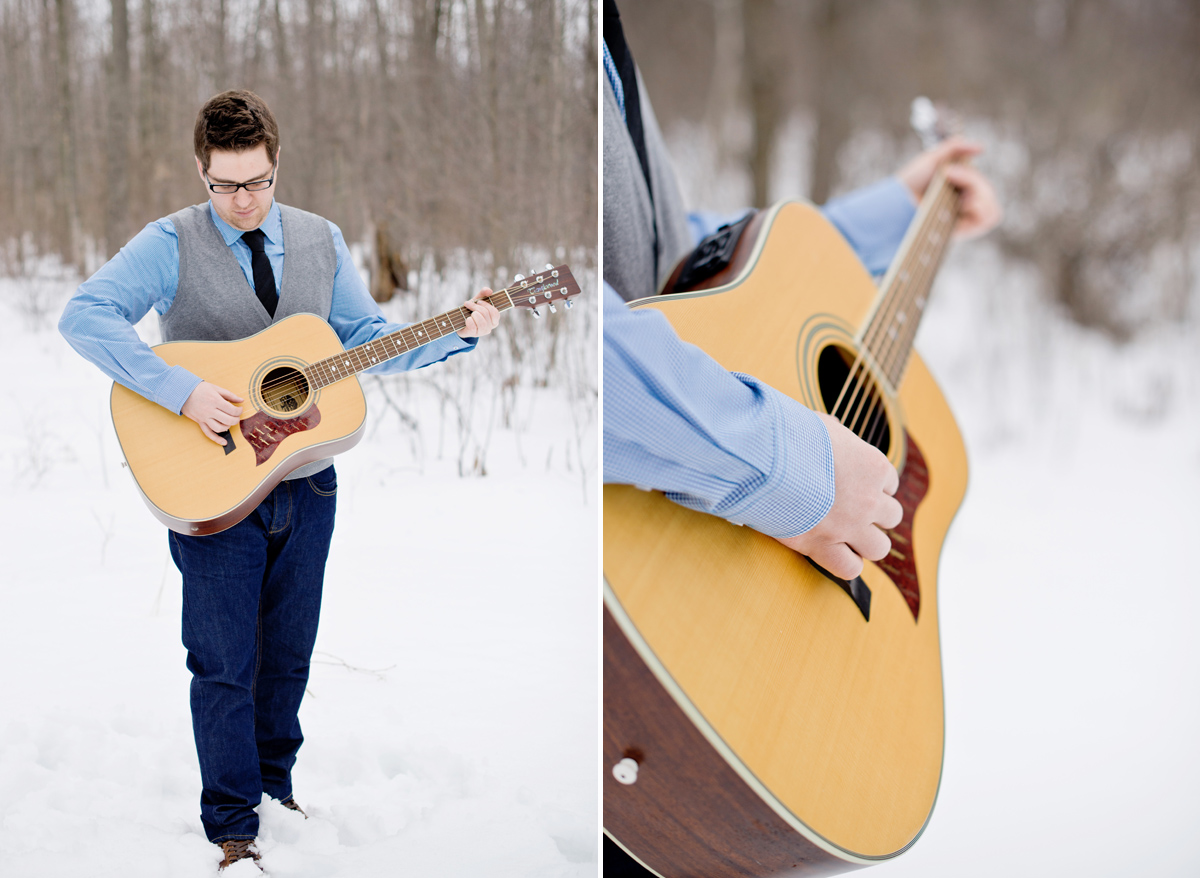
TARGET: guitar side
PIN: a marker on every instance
(194, 486)
(833, 723)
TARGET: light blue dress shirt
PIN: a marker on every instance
(98, 321)
(722, 442)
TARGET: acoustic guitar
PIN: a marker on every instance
(762, 717)
(303, 402)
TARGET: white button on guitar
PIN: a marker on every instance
(626, 771)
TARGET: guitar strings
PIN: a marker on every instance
(858, 382)
(895, 358)
(915, 278)
(858, 376)
(935, 240)
(930, 257)
(307, 371)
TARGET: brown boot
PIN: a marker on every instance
(238, 849)
(291, 805)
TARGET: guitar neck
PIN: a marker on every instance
(350, 362)
(905, 289)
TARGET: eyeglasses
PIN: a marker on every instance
(252, 186)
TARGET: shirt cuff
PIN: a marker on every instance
(874, 220)
(799, 490)
(177, 385)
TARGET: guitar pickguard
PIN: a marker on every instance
(899, 564)
(265, 433)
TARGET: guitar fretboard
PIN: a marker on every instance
(890, 333)
(325, 372)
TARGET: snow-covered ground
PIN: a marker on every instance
(451, 721)
(1069, 593)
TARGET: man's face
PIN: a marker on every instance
(243, 210)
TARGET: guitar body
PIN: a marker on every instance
(776, 730)
(195, 486)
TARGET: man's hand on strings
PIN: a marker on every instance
(484, 316)
(979, 211)
(214, 408)
(864, 506)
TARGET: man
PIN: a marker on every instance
(726, 444)
(252, 593)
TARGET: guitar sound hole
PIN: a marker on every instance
(284, 390)
(861, 407)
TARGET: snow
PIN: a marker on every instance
(1068, 600)
(452, 713)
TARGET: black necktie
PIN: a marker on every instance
(264, 278)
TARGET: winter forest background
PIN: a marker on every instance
(449, 124)
(1068, 344)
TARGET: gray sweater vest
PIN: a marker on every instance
(215, 302)
(629, 214)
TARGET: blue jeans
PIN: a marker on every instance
(251, 601)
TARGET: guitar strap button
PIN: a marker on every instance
(626, 771)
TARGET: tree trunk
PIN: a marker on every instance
(832, 103)
(69, 198)
(119, 98)
(763, 73)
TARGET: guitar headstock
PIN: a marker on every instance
(933, 122)
(551, 284)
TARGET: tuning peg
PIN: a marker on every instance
(549, 266)
(537, 313)
(519, 277)
(552, 309)
(569, 304)
(924, 120)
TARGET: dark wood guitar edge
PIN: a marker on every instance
(231, 516)
(689, 812)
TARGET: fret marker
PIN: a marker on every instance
(443, 323)
(903, 274)
(372, 359)
(419, 332)
(944, 215)
(935, 237)
(920, 303)
(924, 258)
(891, 332)
(900, 317)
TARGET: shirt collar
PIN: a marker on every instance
(272, 226)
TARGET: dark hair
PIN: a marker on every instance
(235, 120)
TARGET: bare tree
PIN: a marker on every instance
(451, 124)
(116, 231)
